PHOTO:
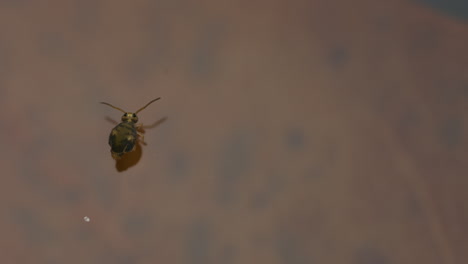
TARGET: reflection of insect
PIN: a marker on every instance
(123, 137)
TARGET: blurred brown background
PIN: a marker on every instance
(288, 131)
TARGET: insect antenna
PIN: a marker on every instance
(147, 105)
(112, 106)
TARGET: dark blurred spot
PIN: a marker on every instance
(370, 255)
(338, 57)
(233, 164)
(31, 226)
(454, 8)
(451, 131)
(204, 61)
(290, 250)
(199, 243)
(137, 223)
(178, 166)
(295, 139)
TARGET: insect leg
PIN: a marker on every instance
(140, 132)
(141, 138)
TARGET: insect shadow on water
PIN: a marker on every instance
(126, 136)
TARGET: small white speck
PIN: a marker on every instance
(86, 219)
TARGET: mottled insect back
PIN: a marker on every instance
(123, 137)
